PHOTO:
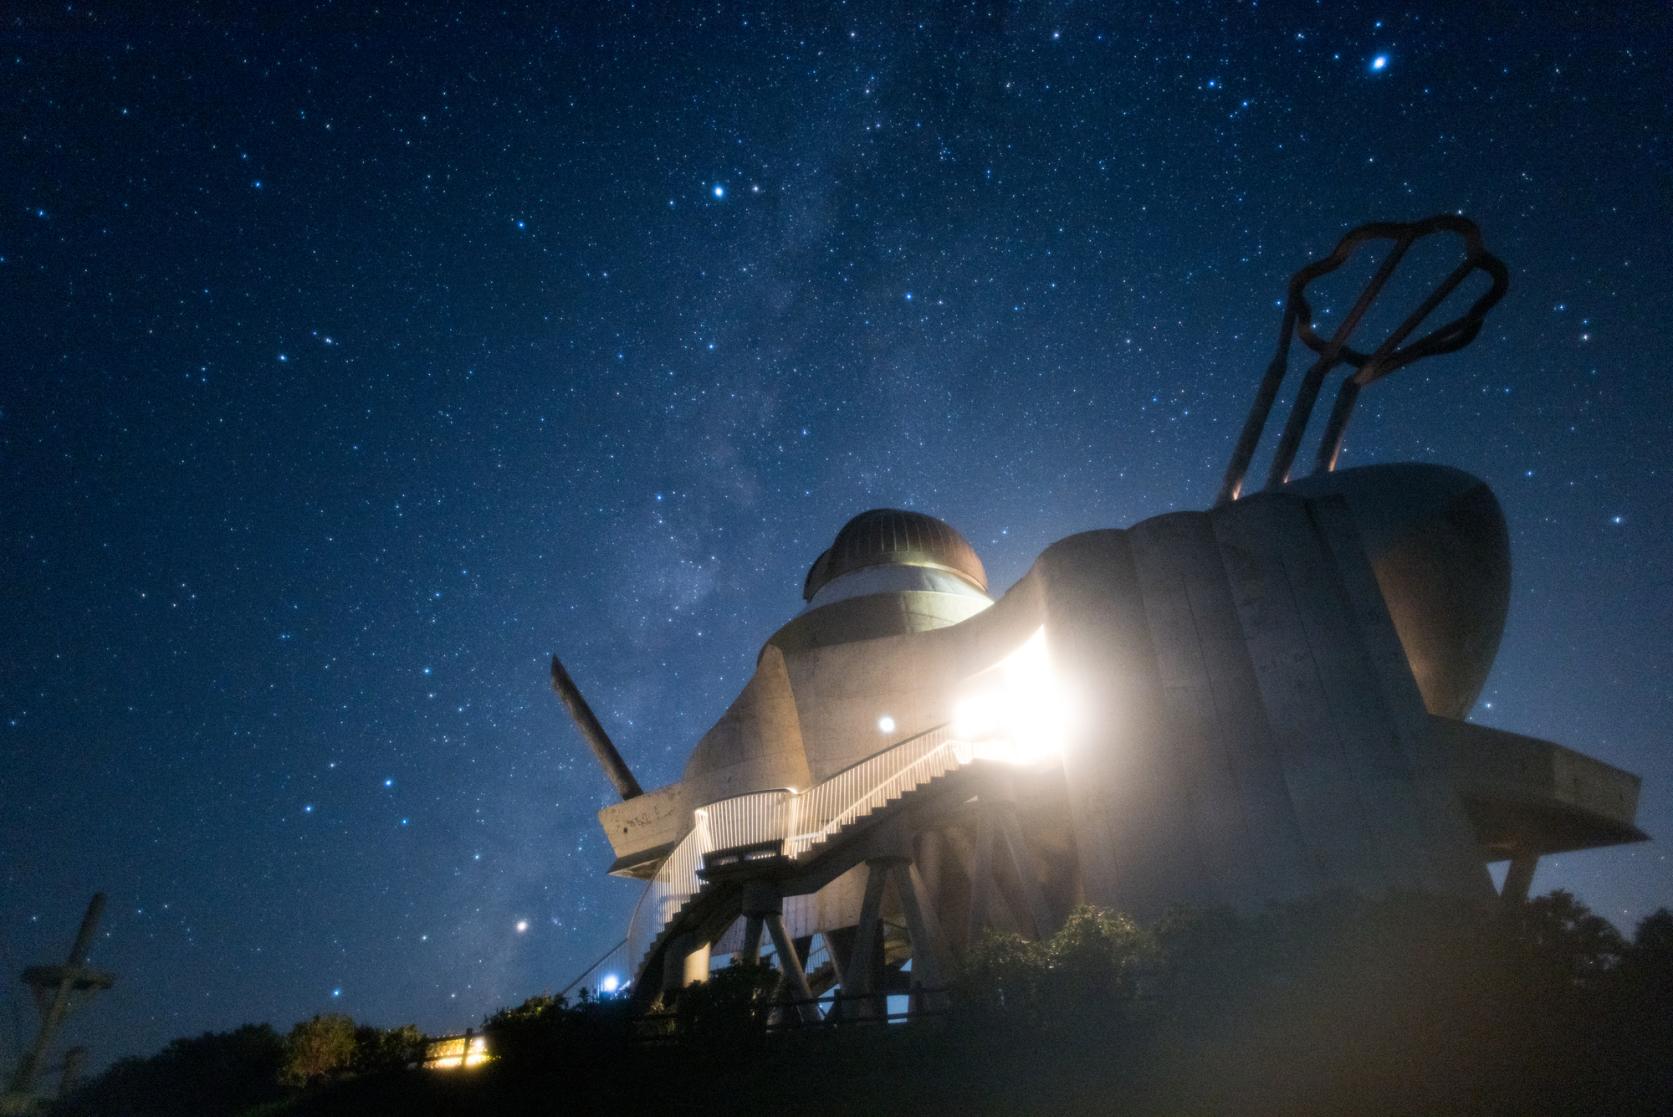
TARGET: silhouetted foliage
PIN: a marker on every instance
(318, 1048)
(731, 1007)
(545, 1028)
(1095, 956)
(1337, 1005)
(381, 1049)
(217, 1072)
(529, 1029)
(1003, 973)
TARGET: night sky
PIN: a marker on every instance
(353, 363)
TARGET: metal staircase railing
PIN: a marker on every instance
(803, 822)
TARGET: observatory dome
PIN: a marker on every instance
(887, 572)
(890, 537)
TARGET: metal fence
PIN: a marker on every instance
(835, 1010)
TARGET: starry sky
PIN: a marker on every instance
(354, 361)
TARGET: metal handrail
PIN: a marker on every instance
(804, 821)
(613, 959)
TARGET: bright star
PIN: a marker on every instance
(1379, 63)
(389, 781)
(719, 190)
(522, 925)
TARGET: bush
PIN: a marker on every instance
(317, 1049)
(381, 1049)
(1337, 1005)
(1096, 956)
(732, 1006)
(529, 1031)
(1092, 962)
(217, 1072)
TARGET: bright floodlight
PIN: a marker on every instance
(1017, 711)
(610, 984)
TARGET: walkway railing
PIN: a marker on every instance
(802, 821)
(865, 787)
(604, 977)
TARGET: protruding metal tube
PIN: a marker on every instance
(593, 733)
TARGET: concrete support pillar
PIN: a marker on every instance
(1519, 878)
(795, 978)
(1022, 863)
(859, 977)
(929, 951)
(751, 953)
(840, 944)
(673, 963)
(763, 906)
(999, 839)
(696, 965)
(981, 877)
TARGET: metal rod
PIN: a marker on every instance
(1380, 365)
(1302, 410)
(1394, 353)
(593, 733)
(1238, 468)
(602, 958)
(1336, 429)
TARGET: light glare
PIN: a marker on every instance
(1017, 711)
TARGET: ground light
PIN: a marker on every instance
(454, 1052)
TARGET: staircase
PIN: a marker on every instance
(804, 825)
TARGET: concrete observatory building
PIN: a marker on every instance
(1241, 706)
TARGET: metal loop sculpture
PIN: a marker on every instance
(1392, 354)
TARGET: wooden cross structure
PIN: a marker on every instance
(55, 988)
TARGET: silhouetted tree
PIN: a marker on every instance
(381, 1049)
(217, 1072)
(317, 1048)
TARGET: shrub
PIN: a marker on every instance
(380, 1049)
(1003, 972)
(318, 1048)
(217, 1072)
(732, 1006)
